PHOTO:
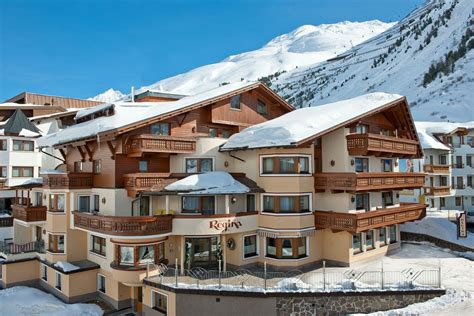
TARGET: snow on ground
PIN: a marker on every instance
(456, 276)
(436, 224)
(22, 300)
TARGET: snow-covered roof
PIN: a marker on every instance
(128, 113)
(216, 182)
(304, 123)
(427, 129)
(92, 110)
(51, 171)
(29, 182)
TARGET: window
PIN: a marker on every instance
(469, 181)
(356, 243)
(469, 160)
(159, 302)
(387, 199)
(443, 160)
(22, 171)
(458, 163)
(78, 166)
(361, 129)
(4, 171)
(383, 236)
(84, 203)
(3, 144)
(143, 165)
(250, 246)
(251, 203)
(96, 203)
(127, 255)
(442, 202)
(58, 281)
(472, 200)
(362, 165)
(226, 133)
(286, 204)
(160, 129)
(362, 201)
(235, 102)
(146, 254)
(161, 251)
(387, 165)
(285, 165)
(56, 202)
(23, 145)
(213, 132)
(99, 245)
(38, 198)
(261, 107)
(286, 248)
(443, 181)
(56, 243)
(204, 205)
(369, 240)
(393, 234)
(44, 272)
(196, 165)
(97, 166)
(101, 283)
(458, 201)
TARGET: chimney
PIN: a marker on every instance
(133, 94)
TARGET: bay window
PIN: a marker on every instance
(286, 248)
(139, 255)
(127, 255)
(146, 254)
(285, 165)
(98, 245)
(56, 243)
(286, 204)
(56, 202)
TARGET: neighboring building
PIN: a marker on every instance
(449, 162)
(51, 100)
(185, 182)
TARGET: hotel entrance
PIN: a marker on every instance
(202, 252)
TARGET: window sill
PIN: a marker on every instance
(251, 257)
(101, 290)
(55, 252)
(287, 259)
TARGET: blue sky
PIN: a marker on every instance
(80, 48)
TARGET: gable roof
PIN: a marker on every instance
(132, 115)
(306, 124)
(19, 122)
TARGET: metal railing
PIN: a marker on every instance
(314, 281)
(7, 247)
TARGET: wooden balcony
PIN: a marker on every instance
(438, 191)
(367, 181)
(381, 145)
(6, 221)
(147, 143)
(430, 168)
(76, 180)
(29, 213)
(136, 182)
(124, 225)
(358, 222)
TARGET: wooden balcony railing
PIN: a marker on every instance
(29, 213)
(135, 182)
(430, 168)
(124, 225)
(438, 191)
(147, 143)
(374, 144)
(6, 221)
(2, 183)
(76, 180)
(358, 222)
(368, 181)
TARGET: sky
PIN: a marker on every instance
(79, 48)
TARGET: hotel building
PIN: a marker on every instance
(234, 176)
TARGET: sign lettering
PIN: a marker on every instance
(224, 225)
(462, 229)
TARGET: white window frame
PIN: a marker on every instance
(199, 157)
(286, 259)
(100, 275)
(310, 166)
(310, 194)
(152, 299)
(243, 246)
(58, 277)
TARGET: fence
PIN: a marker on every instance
(314, 281)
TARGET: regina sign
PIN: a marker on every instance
(193, 225)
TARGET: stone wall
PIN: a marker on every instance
(438, 242)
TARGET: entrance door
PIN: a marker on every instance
(203, 252)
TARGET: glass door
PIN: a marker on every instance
(203, 252)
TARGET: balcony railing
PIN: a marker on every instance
(147, 143)
(438, 191)
(371, 144)
(430, 168)
(76, 180)
(6, 221)
(358, 222)
(30, 213)
(124, 225)
(9, 248)
(368, 181)
(135, 182)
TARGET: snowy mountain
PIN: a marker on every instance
(428, 56)
(304, 46)
(110, 95)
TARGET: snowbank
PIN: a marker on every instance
(436, 224)
(217, 182)
(22, 300)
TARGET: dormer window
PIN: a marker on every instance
(235, 102)
(160, 129)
